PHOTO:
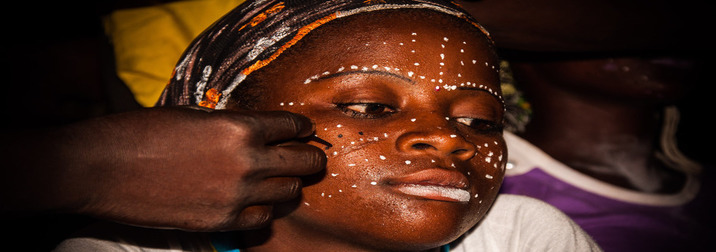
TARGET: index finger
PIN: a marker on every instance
(281, 126)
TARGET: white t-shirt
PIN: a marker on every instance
(514, 223)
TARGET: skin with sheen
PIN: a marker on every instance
(410, 117)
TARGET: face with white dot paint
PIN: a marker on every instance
(413, 115)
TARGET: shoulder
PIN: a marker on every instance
(520, 223)
(116, 237)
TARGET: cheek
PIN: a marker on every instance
(489, 168)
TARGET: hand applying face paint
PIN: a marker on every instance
(179, 168)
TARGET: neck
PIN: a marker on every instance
(611, 140)
(282, 236)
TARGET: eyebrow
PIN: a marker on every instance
(374, 72)
(499, 98)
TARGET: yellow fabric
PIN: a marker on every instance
(148, 41)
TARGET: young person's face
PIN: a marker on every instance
(413, 118)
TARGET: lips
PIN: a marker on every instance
(434, 184)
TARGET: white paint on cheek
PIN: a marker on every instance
(413, 120)
(334, 174)
(410, 74)
(488, 176)
(373, 183)
(407, 162)
(442, 56)
(445, 38)
(351, 165)
(382, 157)
(354, 67)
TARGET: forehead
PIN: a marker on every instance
(417, 44)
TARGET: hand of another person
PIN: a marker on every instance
(182, 168)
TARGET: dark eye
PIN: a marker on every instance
(366, 110)
(479, 125)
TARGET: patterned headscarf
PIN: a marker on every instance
(257, 32)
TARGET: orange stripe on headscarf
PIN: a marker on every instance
(212, 98)
(301, 33)
(261, 17)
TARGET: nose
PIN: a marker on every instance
(439, 142)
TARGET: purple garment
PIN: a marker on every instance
(624, 226)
